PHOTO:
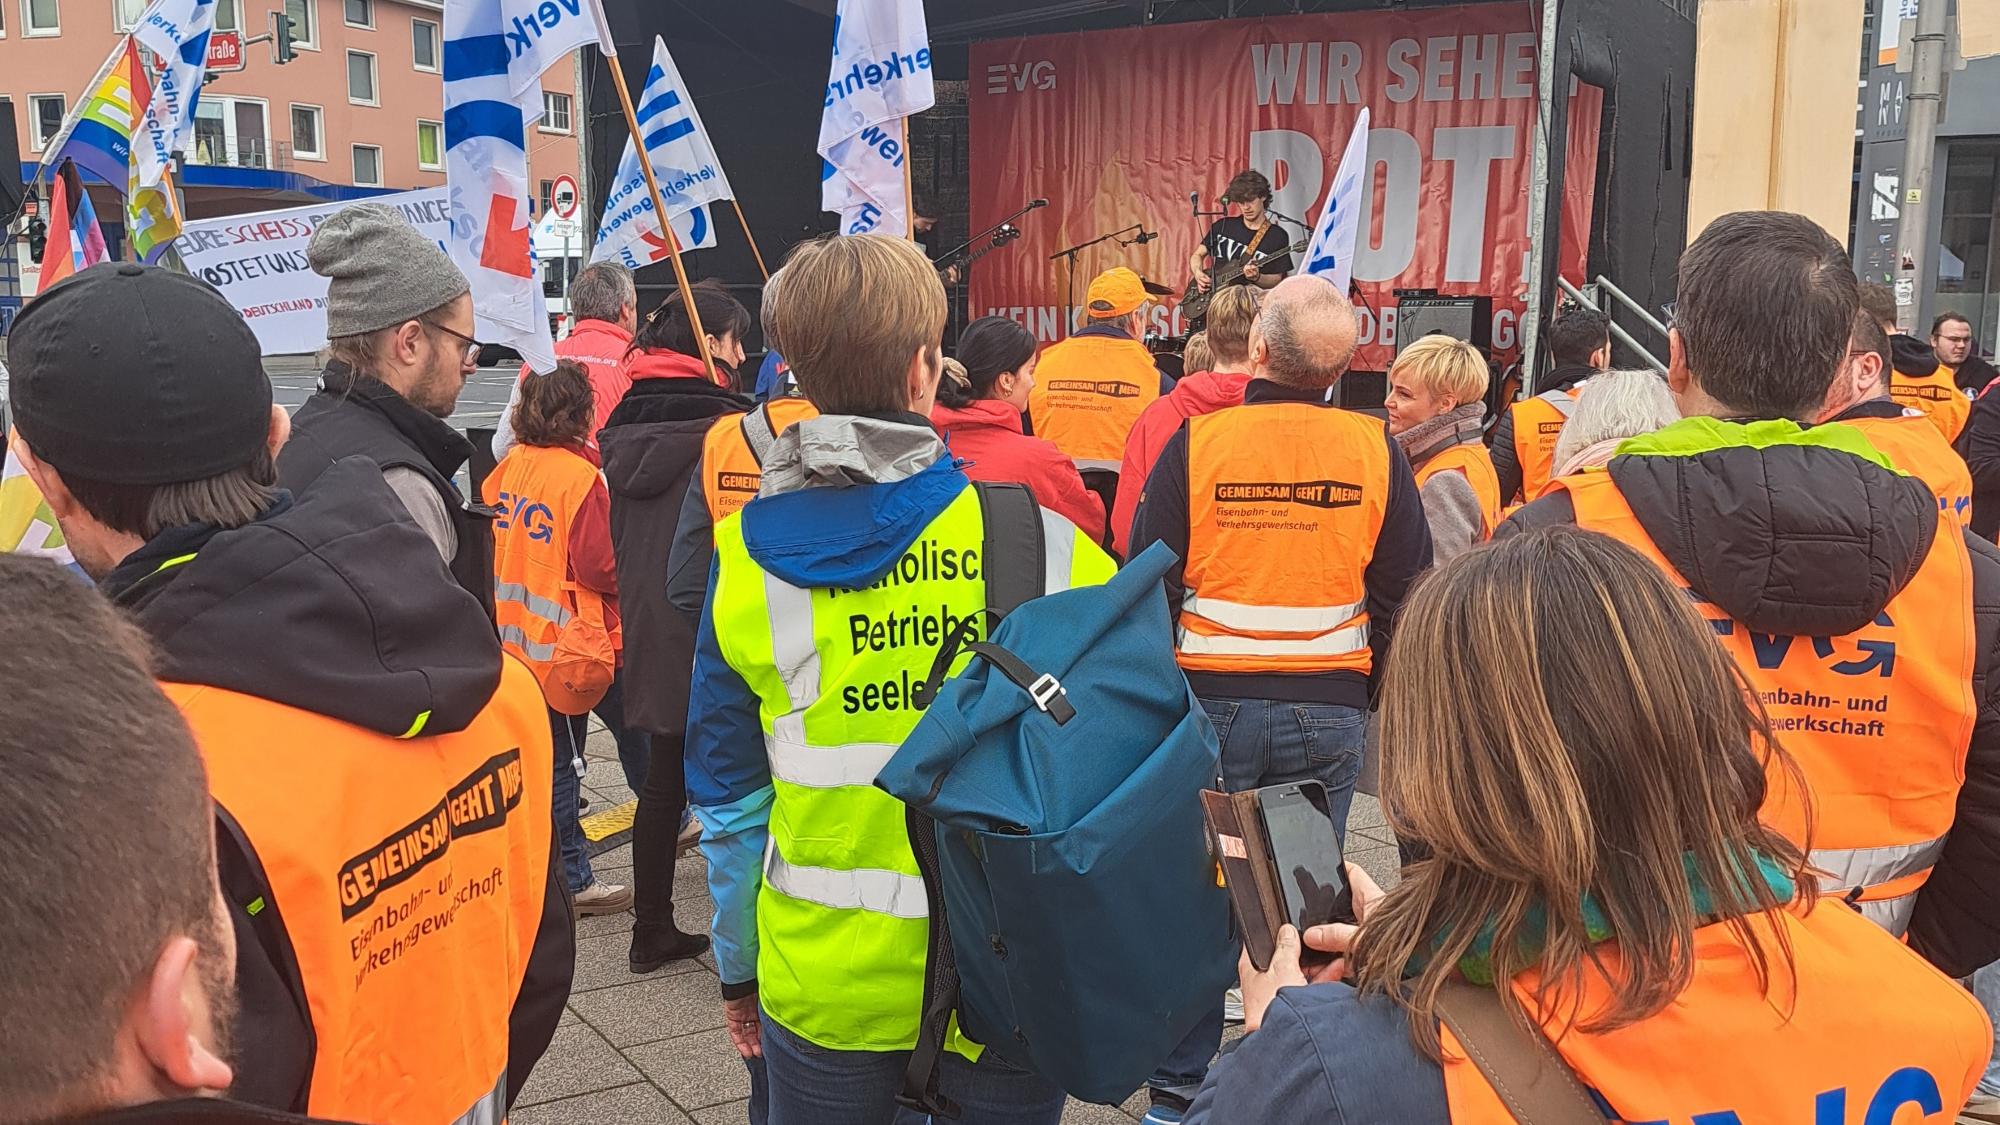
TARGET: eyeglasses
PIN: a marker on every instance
(472, 346)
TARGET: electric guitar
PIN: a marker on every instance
(1194, 302)
(964, 258)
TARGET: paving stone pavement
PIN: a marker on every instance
(651, 1050)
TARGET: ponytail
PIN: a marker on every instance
(989, 347)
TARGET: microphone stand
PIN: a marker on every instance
(1070, 256)
(962, 247)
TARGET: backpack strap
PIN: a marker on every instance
(758, 434)
(1523, 1067)
(1012, 561)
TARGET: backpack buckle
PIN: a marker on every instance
(1043, 690)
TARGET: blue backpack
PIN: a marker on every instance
(1052, 788)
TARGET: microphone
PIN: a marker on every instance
(1194, 202)
(1145, 236)
(1032, 204)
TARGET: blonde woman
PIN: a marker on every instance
(1436, 404)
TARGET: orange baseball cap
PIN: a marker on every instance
(1115, 292)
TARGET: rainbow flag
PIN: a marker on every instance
(98, 134)
(77, 242)
(152, 216)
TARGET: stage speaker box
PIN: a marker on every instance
(10, 164)
(1463, 318)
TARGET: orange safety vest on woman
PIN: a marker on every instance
(1538, 422)
(1089, 392)
(538, 491)
(1472, 460)
(406, 875)
(1913, 445)
(1285, 503)
(1864, 1032)
(1937, 395)
(732, 455)
(1878, 721)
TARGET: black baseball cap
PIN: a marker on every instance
(131, 374)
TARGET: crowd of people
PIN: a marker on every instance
(1682, 689)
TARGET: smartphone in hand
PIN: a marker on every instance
(1305, 851)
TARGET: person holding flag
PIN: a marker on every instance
(881, 74)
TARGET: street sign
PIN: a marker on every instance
(225, 50)
(564, 197)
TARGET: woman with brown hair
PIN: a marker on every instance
(552, 561)
(1585, 767)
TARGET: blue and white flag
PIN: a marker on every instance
(1338, 237)
(881, 74)
(494, 54)
(177, 31)
(685, 165)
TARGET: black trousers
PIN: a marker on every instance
(655, 827)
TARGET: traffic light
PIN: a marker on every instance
(282, 37)
(38, 239)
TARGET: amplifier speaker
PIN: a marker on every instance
(1464, 318)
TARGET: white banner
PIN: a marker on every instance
(881, 73)
(684, 165)
(258, 262)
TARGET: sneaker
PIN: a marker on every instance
(1980, 1111)
(1232, 1006)
(648, 954)
(689, 839)
(1167, 1109)
(602, 898)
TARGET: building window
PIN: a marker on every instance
(233, 132)
(1968, 258)
(305, 24)
(41, 17)
(430, 146)
(45, 118)
(125, 13)
(424, 45)
(306, 131)
(548, 193)
(361, 78)
(367, 166)
(555, 112)
(358, 13)
(228, 15)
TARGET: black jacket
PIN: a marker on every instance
(1981, 443)
(354, 414)
(1402, 551)
(1806, 541)
(1912, 356)
(651, 445)
(1507, 463)
(337, 604)
(195, 1111)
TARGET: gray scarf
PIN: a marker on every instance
(1425, 440)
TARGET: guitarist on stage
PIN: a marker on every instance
(1233, 237)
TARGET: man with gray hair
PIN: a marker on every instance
(604, 312)
(1301, 530)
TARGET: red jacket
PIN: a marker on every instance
(660, 365)
(1203, 392)
(987, 435)
(600, 346)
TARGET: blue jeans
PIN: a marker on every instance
(807, 1084)
(567, 732)
(1986, 986)
(635, 749)
(1270, 742)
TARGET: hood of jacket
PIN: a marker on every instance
(653, 437)
(1793, 531)
(844, 496)
(335, 603)
(979, 412)
(659, 363)
(1912, 356)
(1206, 392)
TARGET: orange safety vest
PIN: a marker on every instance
(1878, 721)
(406, 876)
(1472, 461)
(1089, 392)
(1538, 422)
(1937, 396)
(1285, 502)
(1862, 1032)
(1912, 444)
(537, 491)
(732, 455)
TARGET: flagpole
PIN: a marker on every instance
(909, 195)
(751, 238)
(666, 223)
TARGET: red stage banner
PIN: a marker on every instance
(1117, 127)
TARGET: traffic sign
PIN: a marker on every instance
(564, 197)
(225, 50)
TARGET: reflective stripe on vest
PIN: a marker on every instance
(1538, 422)
(876, 891)
(407, 880)
(731, 469)
(1913, 444)
(1089, 392)
(1285, 501)
(538, 491)
(1058, 551)
(1865, 1033)
(1878, 721)
(797, 660)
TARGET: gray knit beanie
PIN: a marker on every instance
(384, 270)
